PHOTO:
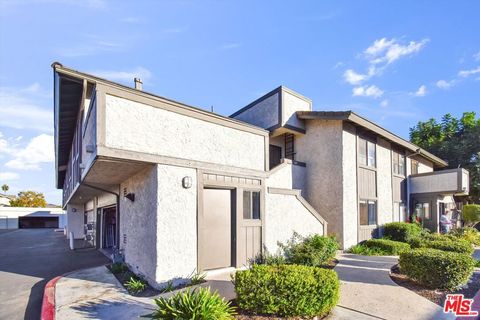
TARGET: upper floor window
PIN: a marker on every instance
(398, 160)
(414, 164)
(366, 153)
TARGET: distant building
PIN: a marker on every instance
(5, 200)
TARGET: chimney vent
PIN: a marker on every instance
(138, 84)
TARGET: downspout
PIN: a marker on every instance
(417, 152)
(117, 212)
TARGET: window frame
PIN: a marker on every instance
(414, 164)
(252, 215)
(367, 145)
(398, 161)
(368, 202)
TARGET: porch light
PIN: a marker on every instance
(187, 182)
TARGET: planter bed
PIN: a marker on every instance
(436, 296)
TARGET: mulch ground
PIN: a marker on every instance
(437, 296)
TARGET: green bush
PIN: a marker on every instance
(365, 251)
(198, 304)
(135, 285)
(388, 247)
(314, 250)
(469, 234)
(287, 290)
(118, 267)
(268, 259)
(471, 213)
(401, 231)
(457, 245)
(435, 268)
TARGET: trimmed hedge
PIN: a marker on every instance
(457, 245)
(401, 231)
(387, 246)
(435, 268)
(471, 213)
(287, 290)
(314, 250)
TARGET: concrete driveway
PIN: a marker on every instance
(29, 258)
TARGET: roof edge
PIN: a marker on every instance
(58, 67)
(363, 122)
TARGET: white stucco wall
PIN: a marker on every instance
(384, 182)
(349, 187)
(324, 170)
(176, 223)
(175, 135)
(138, 221)
(284, 214)
(290, 105)
(281, 176)
(75, 221)
(264, 114)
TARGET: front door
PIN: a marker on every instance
(215, 238)
(109, 227)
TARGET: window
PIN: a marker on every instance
(366, 153)
(414, 164)
(399, 212)
(275, 156)
(422, 210)
(251, 204)
(368, 212)
(398, 160)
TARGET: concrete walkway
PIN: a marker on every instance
(96, 294)
(367, 292)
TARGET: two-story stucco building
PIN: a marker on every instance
(179, 189)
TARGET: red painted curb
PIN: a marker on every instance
(48, 304)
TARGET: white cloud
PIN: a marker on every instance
(39, 150)
(443, 84)
(229, 46)
(468, 73)
(5, 176)
(421, 92)
(384, 103)
(126, 76)
(353, 77)
(476, 56)
(387, 51)
(20, 108)
(371, 91)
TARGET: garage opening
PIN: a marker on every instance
(37, 222)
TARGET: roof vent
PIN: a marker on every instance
(138, 84)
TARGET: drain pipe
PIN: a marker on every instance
(117, 212)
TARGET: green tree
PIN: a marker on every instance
(456, 141)
(29, 199)
(5, 188)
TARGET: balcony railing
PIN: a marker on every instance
(452, 181)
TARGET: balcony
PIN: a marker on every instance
(452, 181)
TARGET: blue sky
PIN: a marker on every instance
(394, 62)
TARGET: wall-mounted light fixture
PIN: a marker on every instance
(130, 196)
(187, 182)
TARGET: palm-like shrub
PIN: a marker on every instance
(198, 304)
